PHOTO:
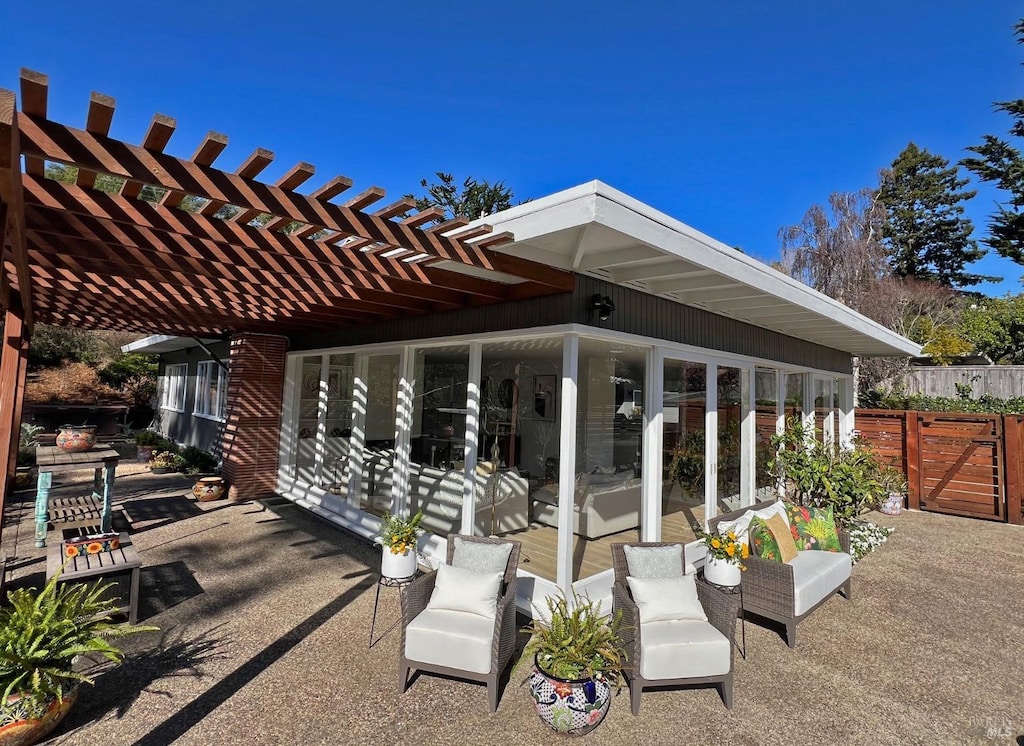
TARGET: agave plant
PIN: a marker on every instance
(577, 642)
(41, 635)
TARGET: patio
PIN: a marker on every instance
(265, 614)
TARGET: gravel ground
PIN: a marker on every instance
(264, 613)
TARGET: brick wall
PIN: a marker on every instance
(256, 367)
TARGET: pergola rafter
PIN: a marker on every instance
(146, 241)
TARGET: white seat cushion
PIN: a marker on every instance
(682, 649)
(817, 574)
(456, 639)
(459, 589)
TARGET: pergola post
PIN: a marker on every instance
(13, 361)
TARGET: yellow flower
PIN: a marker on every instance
(731, 535)
(730, 550)
(746, 551)
(715, 543)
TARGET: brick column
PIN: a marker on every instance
(256, 367)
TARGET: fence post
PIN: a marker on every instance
(912, 437)
(1012, 458)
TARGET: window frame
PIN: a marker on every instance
(174, 392)
(202, 407)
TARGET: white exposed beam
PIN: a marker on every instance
(655, 270)
(722, 295)
(617, 257)
(578, 252)
(702, 280)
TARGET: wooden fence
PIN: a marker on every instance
(962, 464)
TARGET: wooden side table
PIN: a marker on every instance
(51, 460)
(120, 566)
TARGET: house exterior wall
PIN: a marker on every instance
(635, 312)
(184, 427)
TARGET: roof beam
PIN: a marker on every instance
(724, 296)
(35, 89)
(616, 258)
(705, 280)
(654, 270)
(158, 134)
(97, 121)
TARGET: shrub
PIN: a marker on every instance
(75, 382)
(197, 461)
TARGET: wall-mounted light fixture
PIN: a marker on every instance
(603, 305)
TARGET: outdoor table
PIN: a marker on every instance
(51, 460)
(119, 566)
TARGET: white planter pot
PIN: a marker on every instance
(722, 572)
(398, 566)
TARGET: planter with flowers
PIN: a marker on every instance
(398, 537)
(578, 658)
(724, 560)
(166, 462)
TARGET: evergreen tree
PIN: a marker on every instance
(476, 199)
(924, 228)
(1002, 164)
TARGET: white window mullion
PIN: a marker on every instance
(472, 435)
(567, 462)
(357, 443)
(711, 444)
(653, 438)
(748, 436)
(320, 444)
(780, 419)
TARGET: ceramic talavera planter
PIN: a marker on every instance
(893, 503)
(397, 566)
(208, 488)
(22, 724)
(722, 572)
(76, 438)
(572, 707)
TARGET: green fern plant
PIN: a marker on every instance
(42, 633)
(577, 641)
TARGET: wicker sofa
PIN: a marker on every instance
(790, 592)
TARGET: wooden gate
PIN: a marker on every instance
(962, 464)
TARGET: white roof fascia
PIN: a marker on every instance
(158, 343)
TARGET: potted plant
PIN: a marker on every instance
(148, 442)
(41, 636)
(894, 488)
(725, 553)
(398, 537)
(166, 462)
(577, 659)
(203, 466)
(76, 438)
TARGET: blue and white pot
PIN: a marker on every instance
(571, 706)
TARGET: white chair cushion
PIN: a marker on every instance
(450, 638)
(817, 574)
(458, 589)
(682, 649)
(741, 525)
(481, 556)
(664, 599)
(655, 562)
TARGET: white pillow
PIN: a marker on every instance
(742, 524)
(667, 599)
(654, 562)
(481, 556)
(458, 589)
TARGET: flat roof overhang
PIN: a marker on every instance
(595, 230)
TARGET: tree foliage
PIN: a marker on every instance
(54, 345)
(924, 228)
(1001, 163)
(474, 199)
(133, 374)
(995, 327)
(837, 249)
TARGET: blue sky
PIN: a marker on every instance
(734, 117)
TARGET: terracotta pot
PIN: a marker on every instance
(570, 706)
(76, 438)
(24, 726)
(208, 488)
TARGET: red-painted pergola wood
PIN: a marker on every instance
(179, 246)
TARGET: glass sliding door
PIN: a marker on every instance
(376, 489)
(338, 422)
(684, 405)
(766, 401)
(609, 429)
(437, 445)
(733, 385)
(308, 458)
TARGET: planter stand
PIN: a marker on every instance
(386, 582)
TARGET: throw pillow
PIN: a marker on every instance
(762, 541)
(655, 562)
(458, 589)
(741, 526)
(814, 528)
(783, 538)
(481, 556)
(666, 599)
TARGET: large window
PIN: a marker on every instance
(211, 390)
(173, 394)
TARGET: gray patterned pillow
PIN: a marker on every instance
(481, 557)
(655, 562)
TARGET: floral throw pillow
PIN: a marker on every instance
(762, 542)
(813, 528)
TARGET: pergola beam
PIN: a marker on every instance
(11, 195)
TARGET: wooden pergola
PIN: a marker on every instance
(145, 241)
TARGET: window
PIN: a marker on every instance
(211, 390)
(173, 395)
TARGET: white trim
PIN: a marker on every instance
(472, 437)
(175, 382)
(748, 436)
(567, 461)
(202, 390)
(357, 443)
(710, 442)
(654, 438)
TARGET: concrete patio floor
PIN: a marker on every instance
(265, 614)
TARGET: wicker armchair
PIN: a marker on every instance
(720, 608)
(770, 587)
(503, 639)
